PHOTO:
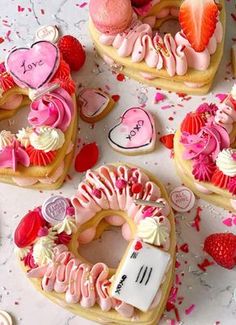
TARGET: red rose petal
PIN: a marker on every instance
(87, 157)
(168, 141)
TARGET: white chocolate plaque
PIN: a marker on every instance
(140, 275)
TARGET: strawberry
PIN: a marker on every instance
(198, 20)
(139, 3)
(222, 247)
(72, 52)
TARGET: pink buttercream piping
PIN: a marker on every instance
(80, 282)
(116, 198)
(173, 54)
(54, 109)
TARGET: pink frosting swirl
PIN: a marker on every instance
(54, 109)
(211, 139)
(80, 282)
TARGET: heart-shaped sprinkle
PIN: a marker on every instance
(182, 199)
(121, 183)
(54, 209)
(168, 141)
(228, 222)
(33, 67)
(135, 133)
(138, 246)
(184, 248)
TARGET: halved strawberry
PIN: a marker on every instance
(198, 20)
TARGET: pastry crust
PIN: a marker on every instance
(151, 317)
(202, 79)
(216, 196)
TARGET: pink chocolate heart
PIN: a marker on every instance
(33, 67)
(136, 130)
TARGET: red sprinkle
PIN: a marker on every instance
(233, 16)
(184, 248)
(120, 77)
(197, 219)
(116, 98)
(189, 309)
(168, 141)
(1, 40)
(206, 263)
(137, 188)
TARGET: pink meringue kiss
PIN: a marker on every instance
(54, 109)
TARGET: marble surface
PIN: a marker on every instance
(204, 298)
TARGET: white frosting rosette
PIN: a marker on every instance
(6, 138)
(154, 231)
(23, 136)
(67, 225)
(47, 138)
(226, 162)
(43, 249)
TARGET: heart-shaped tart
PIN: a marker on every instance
(135, 134)
(39, 154)
(204, 152)
(129, 38)
(48, 247)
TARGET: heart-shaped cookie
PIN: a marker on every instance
(94, 105)
(35, 66)
(135, 133)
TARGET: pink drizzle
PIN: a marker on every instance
(115, 198)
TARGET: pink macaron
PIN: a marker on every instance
(111, 16)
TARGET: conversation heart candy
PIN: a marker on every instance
(182, 199)
(54, 209)
(47, 33)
